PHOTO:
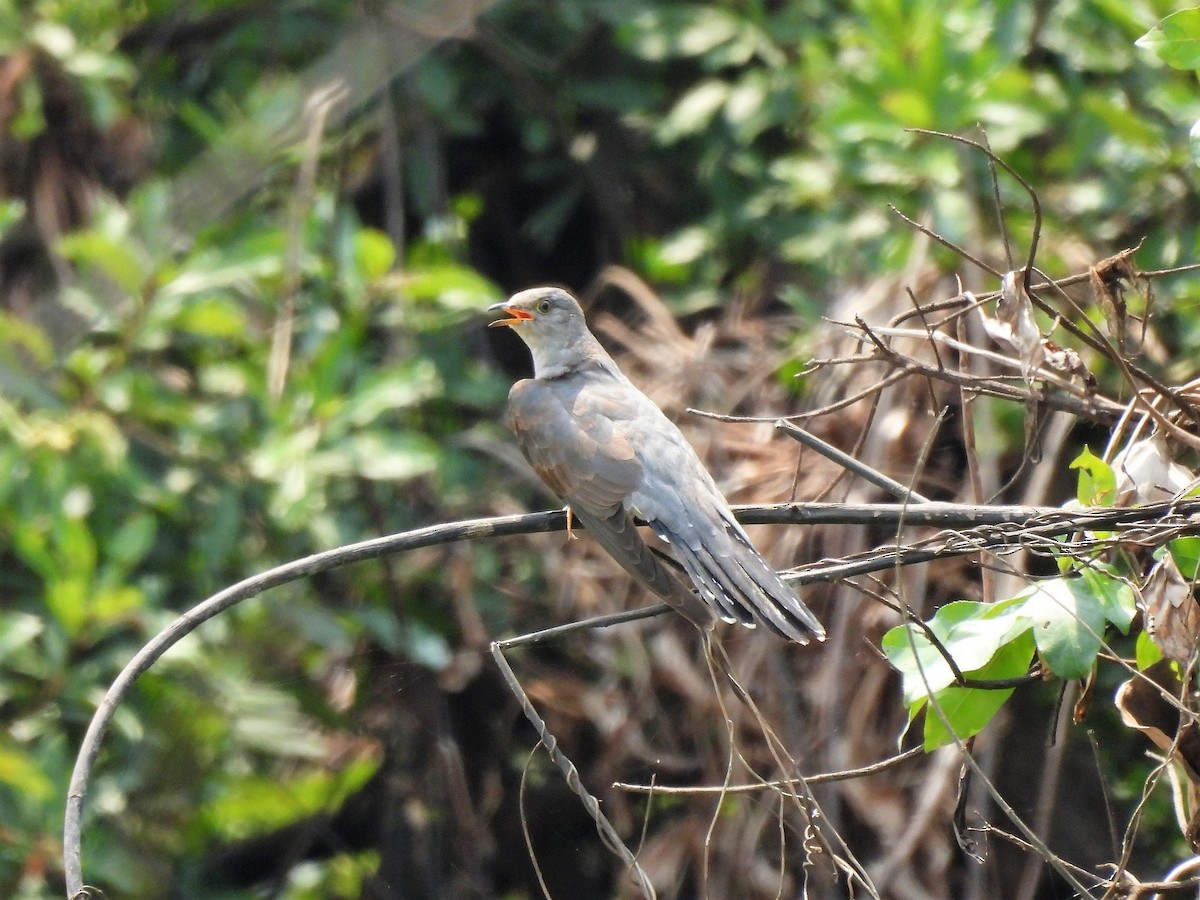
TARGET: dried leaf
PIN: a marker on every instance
(1084, 703)
(1143, 706)
(1172, 614)
(1109, 279)
(1193, 828)
(1067, 361)
(1147, 474)
(1015, 324)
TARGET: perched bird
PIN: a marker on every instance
(604, 447)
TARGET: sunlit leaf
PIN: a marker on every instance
(394, 389)
(108, 255)
(20, 770)
(1097, 481)
(128, 545)
(969, 631)
(1070, 615)
(212, 316)
(374, 252)
(18, 630)
(67, 600)
(1146, 652)
(1176, 39)
(694, 110)
(389, 456)
(967, 710)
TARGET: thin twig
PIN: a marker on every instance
(945, 242)
(819, 778)
(1036, 230)
(848, 462)
(608, 834)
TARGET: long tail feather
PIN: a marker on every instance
(619, 536)
(742, 585)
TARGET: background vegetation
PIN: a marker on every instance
(245, 247)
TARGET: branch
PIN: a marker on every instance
(996, 526)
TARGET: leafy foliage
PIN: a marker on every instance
(1063, 619)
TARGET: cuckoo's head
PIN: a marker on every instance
(551, 322)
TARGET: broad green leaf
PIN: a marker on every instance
(967, 709)
(67, 600)
(694, 110)
(661, 32)
(212, 316)
(397, 388)
(16, 630)
(971, 632)
(1070, 615)
(283, 452)
(454, 288)
(249, 804)
(115, 604)
(29, 542)
(75, 544)
(1116, 598)
(129, 544)
(1097, 481)
(255, 260)
(390, 456)
(1175, 40)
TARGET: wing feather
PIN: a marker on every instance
(565, 432)
(568, 430)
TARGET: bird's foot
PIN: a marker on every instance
(570, 529)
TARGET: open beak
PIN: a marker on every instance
(516, 315)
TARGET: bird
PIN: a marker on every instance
(612, 456)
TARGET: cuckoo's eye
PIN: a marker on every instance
(544, 306)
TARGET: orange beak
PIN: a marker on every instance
(516, 315)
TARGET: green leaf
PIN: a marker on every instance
(1116, 598)
(115, 604)
(455, 288)
(17, 629)
(130, 543)
(374, 253)
(1175, 40)
(971, 632)
(396, 388)
(1070, 615)
(1097, 481)
(683, 30)
(67, 600)
(114, 259)
(966, 710)
(694, 110)
(1147, 652)
(20, 771)
(213, 316)
(1186, 551)
(389, 456)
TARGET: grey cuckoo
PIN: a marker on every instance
(603, 447)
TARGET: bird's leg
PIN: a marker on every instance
(570, 530)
